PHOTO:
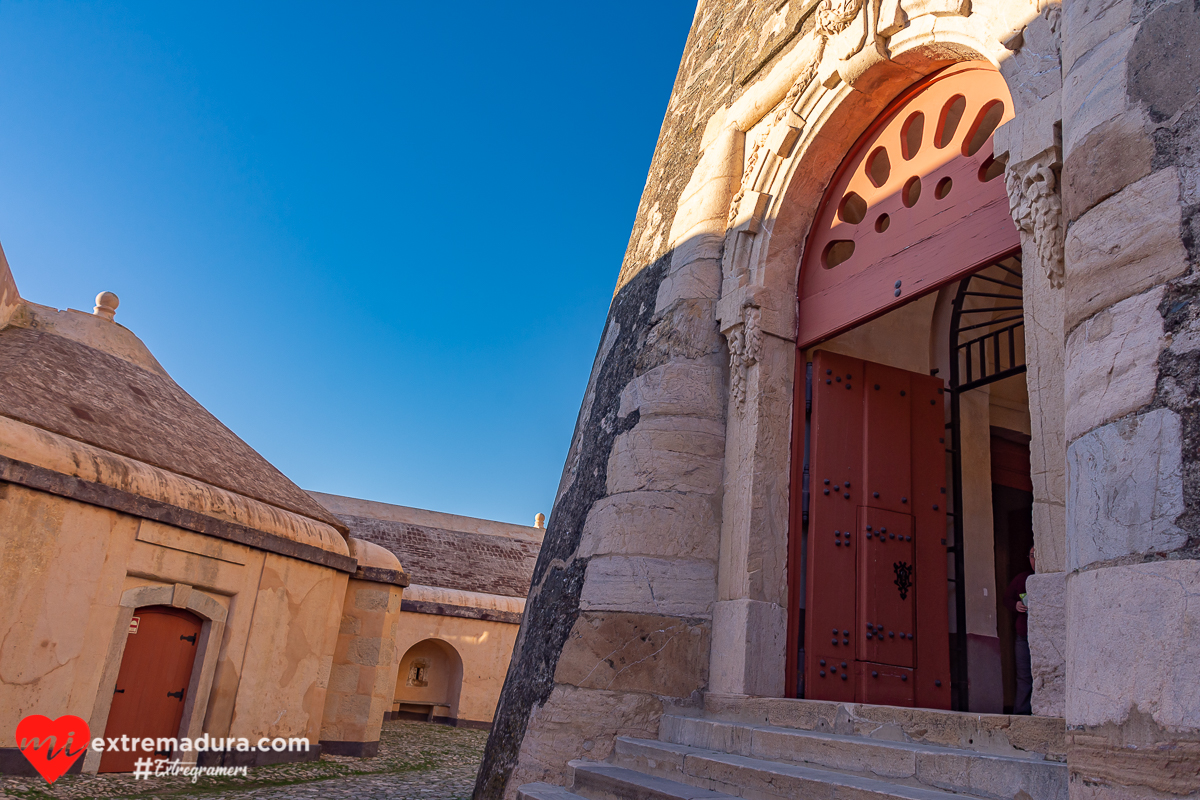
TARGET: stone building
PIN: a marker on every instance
(460, 615)
(911, 285)
(161, 579)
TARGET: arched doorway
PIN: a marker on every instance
(429, 682)
(878, 564)
(152, 685)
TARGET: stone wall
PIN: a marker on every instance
(664, 571)
(1131, 191)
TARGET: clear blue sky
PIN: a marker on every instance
(378, 241)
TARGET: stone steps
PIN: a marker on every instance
(989, 775)
(997, 734)
(776, 749)
(545, 791)
(743, 776)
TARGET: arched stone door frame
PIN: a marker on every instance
(789, 157)
(212, 615)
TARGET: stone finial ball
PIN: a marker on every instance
(106, 305)
(539, 521)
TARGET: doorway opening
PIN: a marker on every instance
(987, 351)
(911, 344)
(152, 684)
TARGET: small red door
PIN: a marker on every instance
(876, 628)
(160, 649)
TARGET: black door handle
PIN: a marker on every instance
(177, 695)
(191, 638)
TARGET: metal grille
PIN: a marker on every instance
(986, 345)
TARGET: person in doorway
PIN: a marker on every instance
(1014, 601)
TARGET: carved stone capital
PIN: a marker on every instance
(1035, 199)
(745, 347)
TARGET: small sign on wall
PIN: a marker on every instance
(133, 624)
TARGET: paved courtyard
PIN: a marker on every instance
(416, 761)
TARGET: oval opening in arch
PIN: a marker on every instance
(943, 188)
(853, 209)
(879, 166)
(911, 135)
(991, 169)
(949, 119)
(984, 126)
(837, 252)
(912, 191)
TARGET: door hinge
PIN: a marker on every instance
(191, 638)
(177, 695)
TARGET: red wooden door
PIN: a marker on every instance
(876, 626)
(160, 649)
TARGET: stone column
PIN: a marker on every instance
(1131, 129)
(1032, 148)
(362, 680)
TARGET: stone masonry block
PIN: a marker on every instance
(369, 599)
(749, 648)
(1112, 362)
(672, 460)
(1033, 72)
(343, 678)
(1125, 245)
(666, 524)
(1088, 23)
(1115, 154)
(1134, 643)
(671, 587)
(635, 652)
(1047, 600)
(1125, 490)
(1095, 88)
(694, 388)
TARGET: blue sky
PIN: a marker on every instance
(378, 241)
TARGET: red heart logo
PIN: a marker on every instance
(52, 745)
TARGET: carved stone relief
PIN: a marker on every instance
(1036, 202)
(745, 347)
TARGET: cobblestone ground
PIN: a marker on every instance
(416, 761)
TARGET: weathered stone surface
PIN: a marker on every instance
(693, 388)
(663, 457)
(1046, 597)
(1134, 643)
(653, 523)
(635, 653)
(1125, 490)
(1088, 23)
(1094, 89)
(1116, 153)
(1133, 760)
(1033, 73)
(999, 734)
(559, 732)
(1044, 379)
(749, 647)
(1112, 362)
(649, 585)
(1164, 68)
(1125, 245)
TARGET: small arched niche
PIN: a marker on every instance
(429, 682)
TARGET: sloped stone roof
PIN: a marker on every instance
(474, 561)
(64, 386)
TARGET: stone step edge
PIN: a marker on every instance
(652, 786)
(866, 741)
(819, 775)
(545, 791)
(737, 708)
